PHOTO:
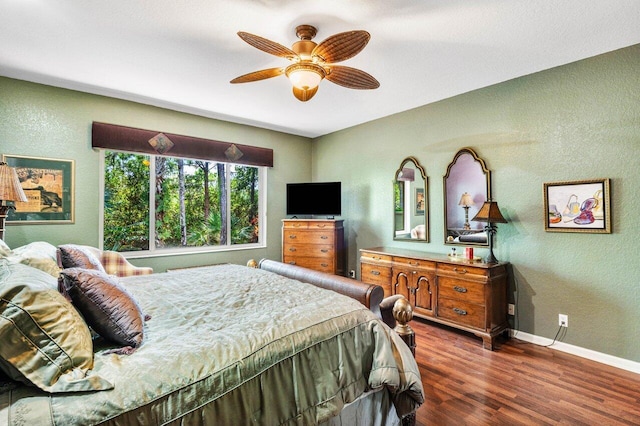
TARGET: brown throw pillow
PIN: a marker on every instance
(105, 304)
(75, 256)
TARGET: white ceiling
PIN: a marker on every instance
(182, 54)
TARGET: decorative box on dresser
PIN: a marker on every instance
(315, 244)
(460, 293)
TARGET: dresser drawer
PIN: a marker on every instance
(468, 291)
(375, 274)
(463, 271)
(310, 250)
(322, 265)
(295, 224)
(414, 263)
(374, 257)
(460, 312)
(308, 237)
(322, 225)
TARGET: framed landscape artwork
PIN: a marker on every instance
(578, 206)
(49, 186)
(420, 201)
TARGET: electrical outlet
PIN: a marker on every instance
(563, 320)
(352, 273)
(512, 309)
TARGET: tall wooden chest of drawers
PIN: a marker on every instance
(315, 244)
(467, 295)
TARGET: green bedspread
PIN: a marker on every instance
(234, 345)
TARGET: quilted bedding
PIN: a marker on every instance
(234, 345)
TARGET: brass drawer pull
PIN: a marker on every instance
(375, 272)
(324, 265)
(376, 257)
(460, 289)
(324, 251)
(292, 249)
(292, 236)
(324, 237)
(321, 225)
(414, 263)
(460, 271)
(459, 311)
(293, 262)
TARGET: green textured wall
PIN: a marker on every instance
(576, 122)
(44, 121)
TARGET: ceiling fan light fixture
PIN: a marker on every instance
(311, 62)
(305, 76)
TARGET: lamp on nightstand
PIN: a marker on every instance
(10, 191)
(466, 201)
(490, 213)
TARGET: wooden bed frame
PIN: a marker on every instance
(394, 310)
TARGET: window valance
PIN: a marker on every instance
(122, 138)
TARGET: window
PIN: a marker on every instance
(156, 203)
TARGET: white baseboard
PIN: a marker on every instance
(613, 361)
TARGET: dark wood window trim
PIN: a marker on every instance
(122, 138)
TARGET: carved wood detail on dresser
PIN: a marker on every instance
(470, 296)
(316, 244)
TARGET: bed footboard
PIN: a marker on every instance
(369, 295)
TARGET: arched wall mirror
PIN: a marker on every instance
(467, 185)
(410, 202)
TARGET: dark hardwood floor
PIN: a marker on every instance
(518, 384)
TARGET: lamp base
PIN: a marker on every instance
(490, 258)
(466, 225)
(490, 230)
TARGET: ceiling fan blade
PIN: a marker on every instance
(268, 46)
(258, 75)
(342, 46)
(351, 78)
(304, 95)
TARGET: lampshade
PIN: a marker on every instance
(305, 76)
(10, 188)
(490, 213)
(466, 200)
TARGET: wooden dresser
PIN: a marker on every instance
(470, 296)
(315, 244)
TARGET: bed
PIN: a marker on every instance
(225, 344)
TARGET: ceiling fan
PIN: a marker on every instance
(312, 62)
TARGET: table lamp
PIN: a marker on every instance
(10, 191)
(466, 201)
(490, 213)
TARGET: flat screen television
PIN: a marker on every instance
(314, 199)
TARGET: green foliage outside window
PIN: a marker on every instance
(192, 203)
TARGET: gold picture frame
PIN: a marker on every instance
(578, 206)
(49, 185)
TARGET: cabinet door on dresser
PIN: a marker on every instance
(415, 279)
